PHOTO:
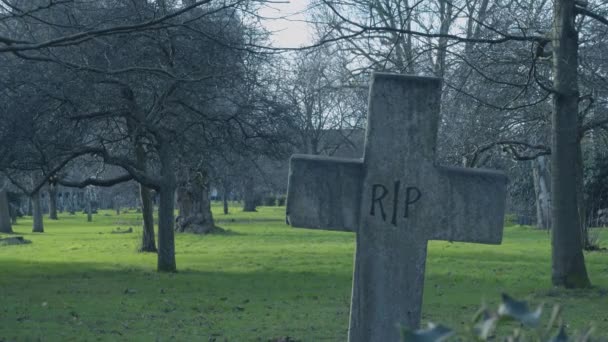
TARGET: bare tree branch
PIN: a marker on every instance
(12, 45)
(590, 14)
(95, 182)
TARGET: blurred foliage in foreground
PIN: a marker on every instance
(486, 322)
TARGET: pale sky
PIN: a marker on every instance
(285, 19)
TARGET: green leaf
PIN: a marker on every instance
(561, 336)
(519, 311)
(434, 333)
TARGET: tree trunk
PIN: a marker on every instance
(580, 197)
(72, 203)
(30, 209)
(445, 11)
(81, 200)
(13, 212)
(225, 197)
(249, 196)
(148, 240)
(148, 243)
(166, 235)
(38, 225)
(89, 208)
(568, 261)
(542, 189)
(5, 213)
(60, 202)
(53, 202)
(194, 204)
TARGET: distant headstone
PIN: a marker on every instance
(396, 199)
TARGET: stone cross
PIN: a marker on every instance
(396, 199)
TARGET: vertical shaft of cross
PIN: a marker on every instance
(391, 251)
(403, 120)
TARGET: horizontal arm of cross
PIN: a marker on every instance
(324, 192)
(470, 205)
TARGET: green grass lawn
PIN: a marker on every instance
(261, 280)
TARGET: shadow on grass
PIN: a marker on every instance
(17, 270)
(88, 301)
(240, 305)
(217, 231)
(247, 220)
(260, 280)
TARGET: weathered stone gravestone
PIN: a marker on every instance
(396, 199)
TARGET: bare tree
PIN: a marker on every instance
(327, 104)
(147, 101)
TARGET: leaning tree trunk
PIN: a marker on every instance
(53, 202)
(5, 213)
(38, 225)
(568, 261)
(542, 189)
(148, 243)
(249, 196)
(166, 235)
(194, 204)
